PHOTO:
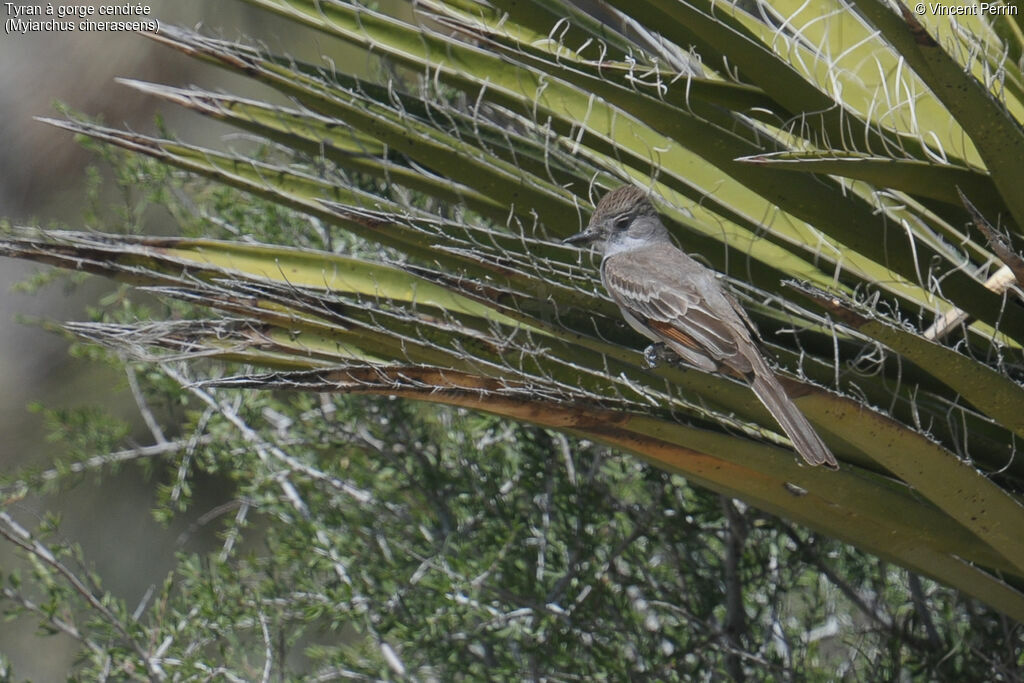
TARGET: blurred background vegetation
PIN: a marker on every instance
(48, 179)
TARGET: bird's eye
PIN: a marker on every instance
(622, 223)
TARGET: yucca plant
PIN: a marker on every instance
(854, 169)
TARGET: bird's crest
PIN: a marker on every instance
(625, 198)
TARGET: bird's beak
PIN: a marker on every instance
(585, 237)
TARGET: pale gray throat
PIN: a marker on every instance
(624, 242)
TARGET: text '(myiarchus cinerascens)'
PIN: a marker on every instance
(672, 299)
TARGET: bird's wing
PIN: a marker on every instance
(680, 301)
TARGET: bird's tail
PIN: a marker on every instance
(807, 442)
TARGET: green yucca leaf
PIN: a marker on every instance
(295, 324)
(920, 178)
(991, 126)
(990, 391)
(316, 136)
(851, 226)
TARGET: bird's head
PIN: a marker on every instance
(624, 218)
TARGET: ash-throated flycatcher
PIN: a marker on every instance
(675, 301)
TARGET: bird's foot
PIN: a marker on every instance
(656, 354)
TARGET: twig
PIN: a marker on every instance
(268, 650)
(735, 618)
(98, 461)
(19, 536)
(849, 591)
(997, 242)
(65, 627)
(921, 607)
(140, 401)
(1011, 273)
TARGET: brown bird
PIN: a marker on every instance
(675, 301)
